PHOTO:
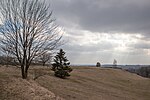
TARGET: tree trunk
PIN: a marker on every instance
(23, 72)
(43, 63)
(26, 74)
(26, 70)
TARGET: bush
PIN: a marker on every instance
(98, 64)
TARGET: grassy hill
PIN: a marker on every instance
(85, 83)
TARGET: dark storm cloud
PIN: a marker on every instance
(128, 16)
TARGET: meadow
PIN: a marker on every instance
(85, 83)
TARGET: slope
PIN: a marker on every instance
(85, 83)
(13, 87)
(89, 83)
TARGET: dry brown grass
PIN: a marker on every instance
(13, 87)
(88, 83)
(85, 83)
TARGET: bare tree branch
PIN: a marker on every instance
(27, 30)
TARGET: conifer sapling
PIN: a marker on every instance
(61, 65)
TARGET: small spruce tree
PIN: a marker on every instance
(61, 65)
(98, 64)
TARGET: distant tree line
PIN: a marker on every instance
(143, 71)
(7, 60)
(44, 60)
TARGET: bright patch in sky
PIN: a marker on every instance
(101, 46)
(104, 30)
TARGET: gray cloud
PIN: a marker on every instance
(103, 46)
(140, 45)
(108, 16)
(105, 15)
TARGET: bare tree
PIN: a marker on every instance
(45, 58)
(115, 62)
(27, 30)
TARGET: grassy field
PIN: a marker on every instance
(85, 83)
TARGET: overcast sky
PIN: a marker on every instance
(104, 30)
